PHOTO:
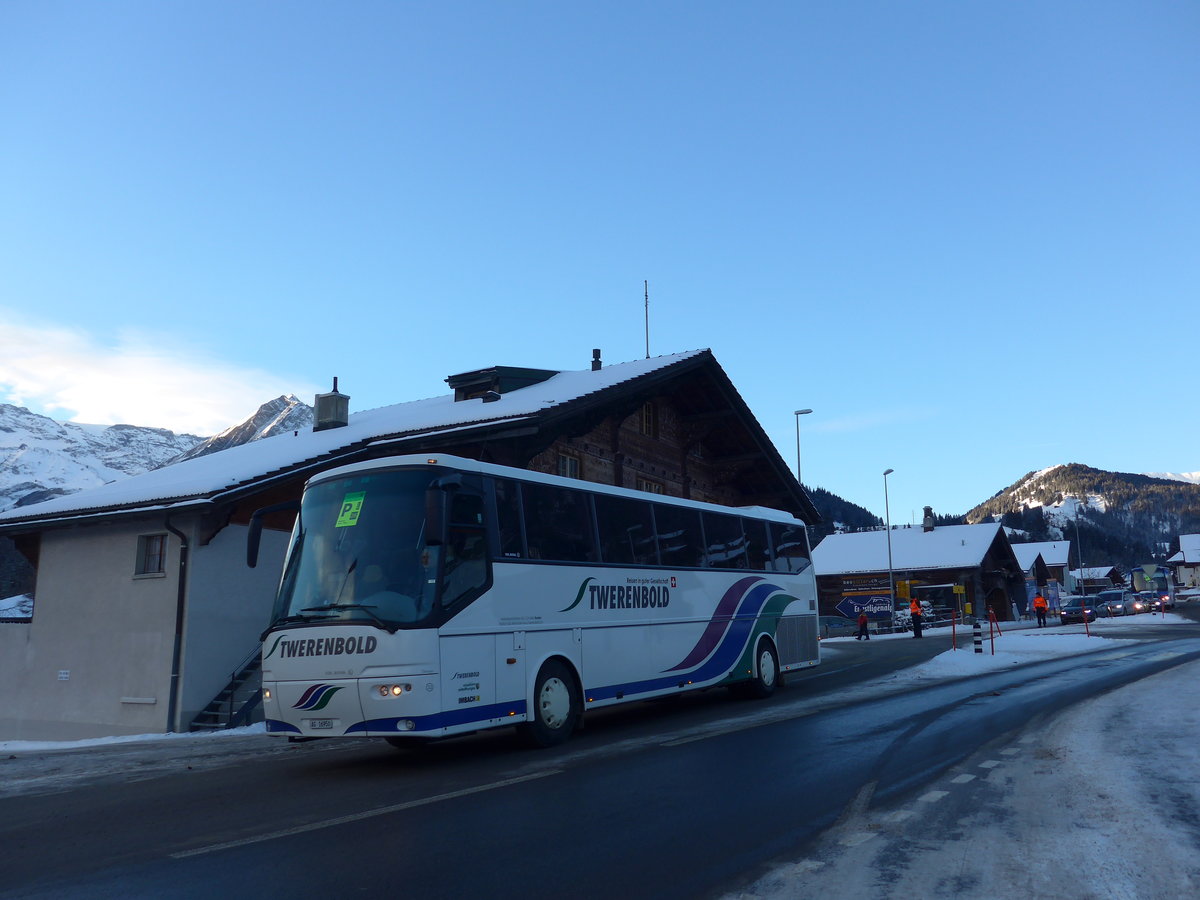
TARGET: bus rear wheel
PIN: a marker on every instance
(766, 673)
(556, 706)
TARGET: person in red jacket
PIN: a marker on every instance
(863, 634)
(1039, 606)
(915, 608)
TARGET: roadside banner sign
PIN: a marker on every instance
(871, 593)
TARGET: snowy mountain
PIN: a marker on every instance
(284, 413)
(1191, 477)
(1122, 519)
(41, 458)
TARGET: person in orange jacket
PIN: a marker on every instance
(1040, 606)
(915, 608)
(863, 633)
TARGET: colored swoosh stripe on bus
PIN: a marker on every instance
(317, 696)
(742, 628)
(719, 622)
(579, 596)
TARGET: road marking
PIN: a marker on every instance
(366, 814)
(1028, 739)
(898, 816)
(962, 779)
(1011, 751)
(990, 764)
(932, 797)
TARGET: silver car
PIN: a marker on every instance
(1115, 603)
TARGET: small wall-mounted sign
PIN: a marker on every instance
(64, 674)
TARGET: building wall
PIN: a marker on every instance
(96, 658)
(228, 607)
(620, 452)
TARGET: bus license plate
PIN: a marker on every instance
(316, 724)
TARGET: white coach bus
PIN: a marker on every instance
(424, 597)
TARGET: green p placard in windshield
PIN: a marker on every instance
(351, 507)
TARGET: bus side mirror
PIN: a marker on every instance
(254, 534)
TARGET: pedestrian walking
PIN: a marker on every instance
(863, 634)
(915, 608)
(1039, 606)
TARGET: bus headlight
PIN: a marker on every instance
(266, 693)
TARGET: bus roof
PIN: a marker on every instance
(445, 460)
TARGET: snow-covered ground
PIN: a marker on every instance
(1101, 802)
(1059, 821)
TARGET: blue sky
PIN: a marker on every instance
(964, 234)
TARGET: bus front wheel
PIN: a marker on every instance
(556, 706)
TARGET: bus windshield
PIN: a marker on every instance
(358, 553)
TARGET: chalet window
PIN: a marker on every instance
(151, 554)
(568, 465)
(650, 487)
(649, 420)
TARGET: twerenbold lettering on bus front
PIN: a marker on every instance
(341, 646)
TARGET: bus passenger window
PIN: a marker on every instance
(558, 523)
(757, 549)
(679, 536)
(626, 531)
(465, 565)
(725, 544)
(508, 514)
(789, 544)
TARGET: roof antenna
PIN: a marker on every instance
(646, 284)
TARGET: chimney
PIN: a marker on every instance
(927, 522)
(332, 409)
(596, 361)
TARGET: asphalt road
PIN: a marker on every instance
(687, 798)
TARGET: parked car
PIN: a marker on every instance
(1116, 603)
(1075, 614)
(1151, 601)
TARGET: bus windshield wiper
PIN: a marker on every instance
(299, 617)
(389, 627)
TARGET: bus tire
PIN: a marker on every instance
(766, 672)
(556, 706)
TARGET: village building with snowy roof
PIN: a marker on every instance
(146, 616)
(1186, 562)
(1046, 566)
(964, 568)
(1093, 579)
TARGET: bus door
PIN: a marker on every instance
(468, 671)
(510, 667)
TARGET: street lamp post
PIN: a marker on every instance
(798, 413)
(891, 575)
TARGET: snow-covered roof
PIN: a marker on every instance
(209, 476)
(946, 547)
(1094, 572)
(1189, 549)
(1054, 553)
